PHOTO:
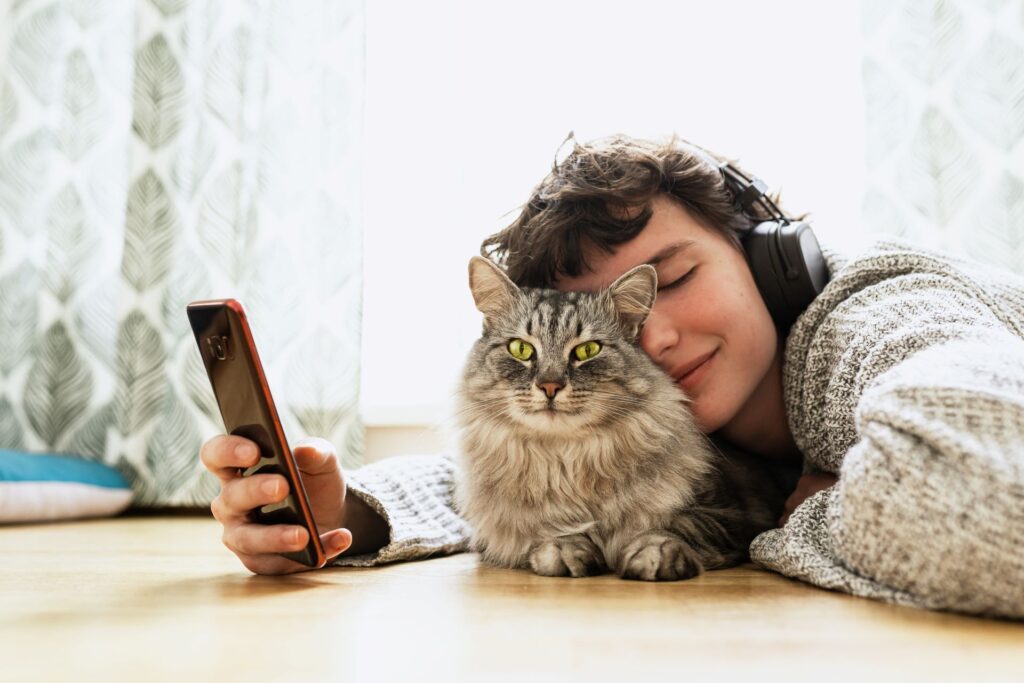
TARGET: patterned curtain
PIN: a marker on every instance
(153, 152)
(944, 90)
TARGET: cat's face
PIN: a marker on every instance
(556, 361)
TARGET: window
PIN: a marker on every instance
(467, 102)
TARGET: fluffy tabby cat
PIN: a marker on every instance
(578, 454)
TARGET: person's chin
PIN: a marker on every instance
(700, 416)
(710, 413)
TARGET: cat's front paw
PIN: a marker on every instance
(573, 555)
(659, 556)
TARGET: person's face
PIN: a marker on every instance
(717, 309)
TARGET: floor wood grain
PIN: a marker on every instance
(159, 598)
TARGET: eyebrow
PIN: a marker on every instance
(669, 251)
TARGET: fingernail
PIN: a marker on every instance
(270, 487)
(245, 451)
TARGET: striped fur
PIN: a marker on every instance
(620, 477)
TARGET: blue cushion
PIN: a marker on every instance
(38, 486)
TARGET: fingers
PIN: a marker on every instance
(336, 542)
(258, 546)
(264, 542)
(240, 495)
(314, 455)
(260, 539)
(823, 481)
(807, 486)
(225, 454)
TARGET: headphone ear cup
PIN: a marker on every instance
(761, 259)
(788, 268)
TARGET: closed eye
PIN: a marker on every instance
(676, 283)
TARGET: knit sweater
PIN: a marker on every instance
(905, 378)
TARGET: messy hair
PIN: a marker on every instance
(592, 196)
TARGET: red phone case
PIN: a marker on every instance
(247, 408)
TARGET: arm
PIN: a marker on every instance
(370, 531)
(808, 485)
(929, 506)
(402, 509)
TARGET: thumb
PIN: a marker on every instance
(335, 542)
(314, 455)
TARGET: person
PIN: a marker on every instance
(839, 391)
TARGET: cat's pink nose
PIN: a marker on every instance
(551, 388)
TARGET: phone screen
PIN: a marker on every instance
(247, 407)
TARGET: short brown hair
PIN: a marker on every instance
(586, 196)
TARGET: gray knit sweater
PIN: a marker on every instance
(905, 377)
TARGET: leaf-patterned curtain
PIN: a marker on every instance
(153, 152)
(944, 92)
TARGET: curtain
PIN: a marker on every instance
(154, 152)
(944, 93)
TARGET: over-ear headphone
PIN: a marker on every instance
(784, 255)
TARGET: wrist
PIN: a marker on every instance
(370, 532)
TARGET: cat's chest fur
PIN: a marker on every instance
(516, 489)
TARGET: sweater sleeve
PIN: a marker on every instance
(929, 506)
(414, 495)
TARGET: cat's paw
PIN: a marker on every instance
(567, 556)
(659, 556)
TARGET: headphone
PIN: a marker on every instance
(784, 255)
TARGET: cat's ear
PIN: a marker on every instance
(633, 296)
(493, 291)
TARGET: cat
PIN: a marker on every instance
(578, 455)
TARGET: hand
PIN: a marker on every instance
(258, 545)
(808, 485)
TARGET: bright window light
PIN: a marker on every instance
(467, 102)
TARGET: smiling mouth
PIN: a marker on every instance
(696, 375)
(706, 358)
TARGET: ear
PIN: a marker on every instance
(633, 296)
(493, 291)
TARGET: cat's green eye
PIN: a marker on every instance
(520, 349)
(587, 350)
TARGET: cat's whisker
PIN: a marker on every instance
(624, 397)
(638, 401)
(605, 392)
(616, 411)
(624, 407)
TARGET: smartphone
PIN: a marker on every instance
(243, 395)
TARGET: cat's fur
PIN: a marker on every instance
(619, 476)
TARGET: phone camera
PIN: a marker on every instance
(218, 346)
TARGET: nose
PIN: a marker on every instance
(658, 336)
(551, 388)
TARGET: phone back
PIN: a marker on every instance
(240, 386)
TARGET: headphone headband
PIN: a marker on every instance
(784, 256)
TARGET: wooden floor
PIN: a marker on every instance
(160, 599)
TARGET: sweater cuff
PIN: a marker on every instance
(413, 494)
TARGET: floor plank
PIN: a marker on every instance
(159, 598)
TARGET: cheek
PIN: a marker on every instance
(708, 313)
(730, 303)
(742, 324)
